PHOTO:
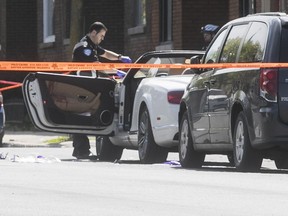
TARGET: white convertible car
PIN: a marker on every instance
(140, 112)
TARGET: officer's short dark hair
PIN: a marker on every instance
(97, 26)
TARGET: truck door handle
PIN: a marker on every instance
(210, 82)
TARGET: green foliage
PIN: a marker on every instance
(58, 140)
(250, 51)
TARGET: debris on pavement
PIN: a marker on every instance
(30, 158)
(3, 156)
(35, 159)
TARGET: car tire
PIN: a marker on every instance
(189, 158)
(245, 157)
(148, 150)
(106, 150)
(1, 138)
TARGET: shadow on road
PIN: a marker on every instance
(207, 166)
(226, 167)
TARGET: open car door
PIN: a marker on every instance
(69, 103)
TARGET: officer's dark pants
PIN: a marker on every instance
(81, 145)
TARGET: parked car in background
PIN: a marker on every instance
(139, 112)
(242, 112)
(2, 120)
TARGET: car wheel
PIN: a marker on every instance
(189, 158)
(1, 138)
(245, 157)
(148, 150)
(106, 150)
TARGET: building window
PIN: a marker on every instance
(283, 6)
(48, 25)
(67, 18)
(247, 7)
(272, 5)
(139, 17)
(140, 13)
(165, 20)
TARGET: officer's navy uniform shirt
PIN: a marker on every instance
(87, 51)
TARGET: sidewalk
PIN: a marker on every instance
(34, 138)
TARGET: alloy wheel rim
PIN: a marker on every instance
(184, 139)
(239, 141)
(143, 133)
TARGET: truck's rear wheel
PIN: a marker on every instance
(245, 157)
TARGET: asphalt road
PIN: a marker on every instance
(126, 187)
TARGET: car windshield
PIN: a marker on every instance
(158, 72)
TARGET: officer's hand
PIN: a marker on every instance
(126, 59)
(121, 73)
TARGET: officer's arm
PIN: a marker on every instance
(114, 56)
(111, 55)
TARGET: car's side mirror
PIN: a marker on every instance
(195, 60)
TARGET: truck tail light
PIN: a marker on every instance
(174, 97)
(269, 84)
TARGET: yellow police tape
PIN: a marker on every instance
(74, 66)
(18, 66)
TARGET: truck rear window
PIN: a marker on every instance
(284, 44)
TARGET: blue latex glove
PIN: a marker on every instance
(125, 59)
(121, 73)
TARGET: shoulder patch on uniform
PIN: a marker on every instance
(87, 52)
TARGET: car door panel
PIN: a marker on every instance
(199, 108)
(218, 104)
(202, 86)
(67, 103)
(221, 86)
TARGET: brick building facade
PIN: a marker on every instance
(21, 24)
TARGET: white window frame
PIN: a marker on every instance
(48, 25)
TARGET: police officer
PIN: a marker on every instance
(88, 50)
(208, 32)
